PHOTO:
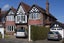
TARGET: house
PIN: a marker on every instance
(26, 15)
(10, 21)
(40, 16)
(21, 17)
(2, 18)
(57, 26)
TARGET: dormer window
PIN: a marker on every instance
(56, 25)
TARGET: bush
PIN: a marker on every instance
(39, 33)
(0, 36)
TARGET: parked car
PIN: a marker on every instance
(21, 33)
(54, 35)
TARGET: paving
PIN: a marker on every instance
(26, 41)
(13, 39)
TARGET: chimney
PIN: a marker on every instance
(47, 7)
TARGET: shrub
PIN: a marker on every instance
(0, 36)
(39, 32)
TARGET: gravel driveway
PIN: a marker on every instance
(26, 41)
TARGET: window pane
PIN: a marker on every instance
(22, 18)
(59, 29)
(34, 16)
(18, 18)
(10, 28)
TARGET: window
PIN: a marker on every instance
(59, 28)
(34, 16)
(10, 18)
(18, 18)
(10, 28)
(56, 25)
(53, 28)
(21, 19)
(21, 29)
(57, 32)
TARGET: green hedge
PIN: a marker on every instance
(0, 36)
(39, 33)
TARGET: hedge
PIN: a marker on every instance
(39, 32)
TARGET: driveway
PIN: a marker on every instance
(26, 41)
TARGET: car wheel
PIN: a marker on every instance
(16, 37)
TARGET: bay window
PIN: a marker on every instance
(10, 28)
(21, 19)
(34, 16)
(9, 18)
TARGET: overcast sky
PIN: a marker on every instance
(56, 6)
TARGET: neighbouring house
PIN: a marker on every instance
(57, 26)
(2, 19)
(40, 16)
(10, 21)
(2, 29)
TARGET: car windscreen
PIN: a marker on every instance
(50, 33)
(20, 30)
(57, 32)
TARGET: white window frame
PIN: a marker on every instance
(10, 18)
(34, 16)
(10, 28)
(20, 20)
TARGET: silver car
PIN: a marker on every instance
(54, 35)
(21, 33)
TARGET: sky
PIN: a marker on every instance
(56, 6)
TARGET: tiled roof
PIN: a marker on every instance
(13, 9)
(25, 6)
(60, 24)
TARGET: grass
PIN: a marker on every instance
(6, 36)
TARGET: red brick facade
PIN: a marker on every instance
(9, 23)
(34, 22)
